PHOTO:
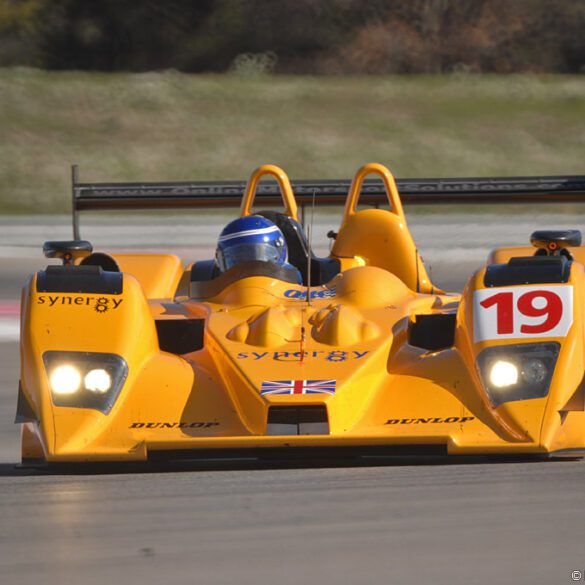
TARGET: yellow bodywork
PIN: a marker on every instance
(354, 331)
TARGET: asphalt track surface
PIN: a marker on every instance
(400, 522)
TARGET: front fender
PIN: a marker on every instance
(91, 322)
(536, 420)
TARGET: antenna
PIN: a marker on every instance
(310, 234)
(310, 238)
(74, 212)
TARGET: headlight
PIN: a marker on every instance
(98, 381)
(503, 374)
(517, 372)
(84, 379)
(65, 380)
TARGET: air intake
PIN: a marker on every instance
(297, 420)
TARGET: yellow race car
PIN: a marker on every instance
(137, 357)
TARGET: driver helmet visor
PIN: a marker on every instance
(263, 252)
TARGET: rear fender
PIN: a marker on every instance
(158, 274)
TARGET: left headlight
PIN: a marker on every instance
(85, 379)
(517, 372)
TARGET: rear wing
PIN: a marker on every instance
(198, 194)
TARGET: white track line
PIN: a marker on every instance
(9, 329)
(9, 320)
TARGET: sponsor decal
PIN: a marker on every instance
(173, 425)
(298, 387)
(430, 420)
(293, 293)
(517, 312)
(295, 356)
(98, 304)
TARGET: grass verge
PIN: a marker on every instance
(171, 126)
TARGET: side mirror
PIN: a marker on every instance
(67, 251)
(553, 241)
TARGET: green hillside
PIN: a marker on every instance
(171, 126)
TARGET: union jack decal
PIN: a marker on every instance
(298, 387)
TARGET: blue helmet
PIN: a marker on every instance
(250, 238)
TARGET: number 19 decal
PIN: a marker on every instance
(528, 311)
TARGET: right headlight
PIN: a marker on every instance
(85, 379)
(517, 372)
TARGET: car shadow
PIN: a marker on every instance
(17, 470)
